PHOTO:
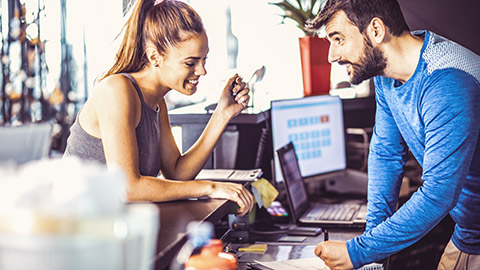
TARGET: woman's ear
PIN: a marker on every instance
(153, 56)
(376, 30)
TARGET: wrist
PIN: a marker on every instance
(353, 252)
(221, 117)
(208, 187)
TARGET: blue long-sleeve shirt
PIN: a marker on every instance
(435, 115)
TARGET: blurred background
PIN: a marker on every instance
(53, 50)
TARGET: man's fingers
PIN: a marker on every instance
(319, 249)
(334, 254)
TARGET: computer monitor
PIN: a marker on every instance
(314, 125)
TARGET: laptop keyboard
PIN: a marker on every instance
(341, 212)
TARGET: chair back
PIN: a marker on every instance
(25, 143)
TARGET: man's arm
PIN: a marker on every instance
(386, 160)
(449, 109)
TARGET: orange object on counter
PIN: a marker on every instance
(212, 257)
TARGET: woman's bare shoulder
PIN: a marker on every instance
(114, 83)
(115, 96)
(117, 88)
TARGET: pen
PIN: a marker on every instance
(325, 235)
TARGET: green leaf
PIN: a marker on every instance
(299, 14)
(300, 4)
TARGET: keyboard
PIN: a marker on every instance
(341, 212)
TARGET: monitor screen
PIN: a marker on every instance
(315, 127)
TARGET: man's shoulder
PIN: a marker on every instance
(441, 53)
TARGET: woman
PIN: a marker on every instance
(125, 120)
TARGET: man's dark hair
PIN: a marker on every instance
(361, 12)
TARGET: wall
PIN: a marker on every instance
(456, 20)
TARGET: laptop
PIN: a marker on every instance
(349, 213)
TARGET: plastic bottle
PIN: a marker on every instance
(212, 257)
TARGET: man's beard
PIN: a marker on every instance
(371, 64)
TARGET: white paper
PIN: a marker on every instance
(313, 263)
(229, 174)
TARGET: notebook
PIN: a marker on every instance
(348, 213)
(229, 175)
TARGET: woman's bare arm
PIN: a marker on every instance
(117, 108)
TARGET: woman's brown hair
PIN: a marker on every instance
(159, 23)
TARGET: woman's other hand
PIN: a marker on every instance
(234, 192)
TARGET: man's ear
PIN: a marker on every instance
(376, 30)
(153, 56)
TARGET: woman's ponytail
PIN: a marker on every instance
(159, 24)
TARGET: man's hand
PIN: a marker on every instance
(334, 254)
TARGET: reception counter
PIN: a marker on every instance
(174, 218)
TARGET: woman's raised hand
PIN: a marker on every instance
(235, 96)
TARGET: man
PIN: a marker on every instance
(428, 102)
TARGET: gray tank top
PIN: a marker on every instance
(87, 147)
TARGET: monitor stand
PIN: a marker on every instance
(345, 181)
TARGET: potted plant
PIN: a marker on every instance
(313, 49)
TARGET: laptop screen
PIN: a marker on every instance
(296, 192)
(315, 126)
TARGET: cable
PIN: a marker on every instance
(261, 147)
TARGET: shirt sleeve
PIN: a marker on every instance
(387, 157)
(449, 109)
